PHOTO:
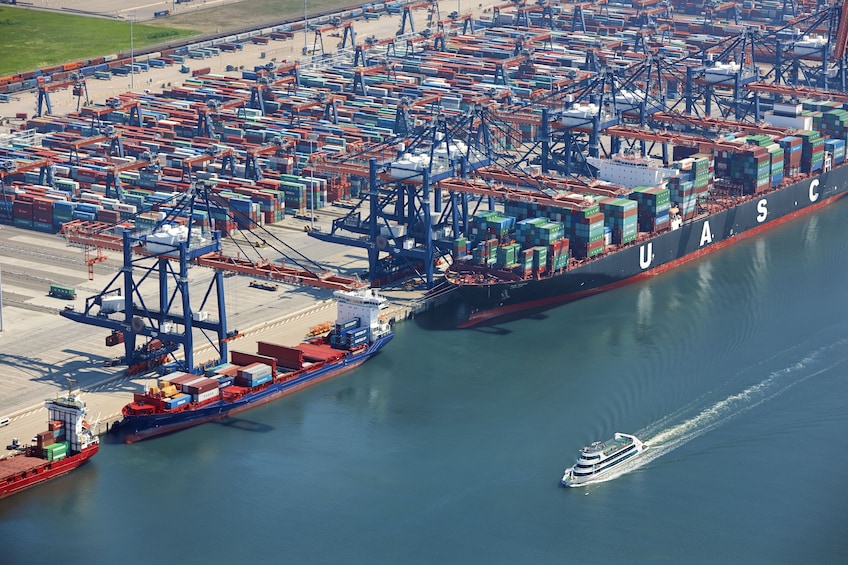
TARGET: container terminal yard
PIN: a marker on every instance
(509, 143)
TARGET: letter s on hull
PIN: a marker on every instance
(814, 195)
(762, 210)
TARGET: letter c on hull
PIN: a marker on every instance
(646, 255)
(814, 195)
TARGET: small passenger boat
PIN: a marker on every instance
(600, 458)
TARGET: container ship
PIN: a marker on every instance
(68, 442)
(536, 254)
(182, 400)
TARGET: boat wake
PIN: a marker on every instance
(664, 436)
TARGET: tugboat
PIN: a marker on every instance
(600, 458)
(68, 442)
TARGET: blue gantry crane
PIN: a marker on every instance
(403, 218)
(156, 261)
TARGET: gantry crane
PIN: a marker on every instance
(714, 7)
(167, 323)
(348, 36)
(372, 42)
(285, 74)
(421, 38)
(11, 167)
(206, 112)
(456, 19)
(146, 160)
(327, 103)
(401, 219)
(131, 108)
(814, 52)
(156, 262)
(432, 14)
(108, 133)
(75, 81)
(211, 153)
(276, 147)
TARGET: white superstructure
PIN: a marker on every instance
(721, 72)
(631, 170)
(367, 306)
(167, 238)
(579, 114)
(70, 410)
(810, 45)
(626, 97)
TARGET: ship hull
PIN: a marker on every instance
(148, 426)
(44, 471)
(486, 303)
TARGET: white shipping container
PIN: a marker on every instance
(174, 375)
(203, 396)
(797, 122)
(396, 231)
(112, 304)
(257, 370)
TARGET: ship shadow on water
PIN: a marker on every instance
(243, 425)
(117, 434)
(449, 316)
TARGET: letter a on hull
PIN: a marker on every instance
(706, 234)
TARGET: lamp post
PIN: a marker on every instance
(305, 27)
(1, 305)
(132, 55)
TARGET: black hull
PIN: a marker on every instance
(486, 303)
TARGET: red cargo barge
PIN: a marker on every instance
(68, 443)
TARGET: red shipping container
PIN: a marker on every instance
(22, 210)
(108, 216)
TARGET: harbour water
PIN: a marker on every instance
(449, 446)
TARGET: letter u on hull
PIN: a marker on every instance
(646, 255)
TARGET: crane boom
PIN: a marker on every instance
(841, 33)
